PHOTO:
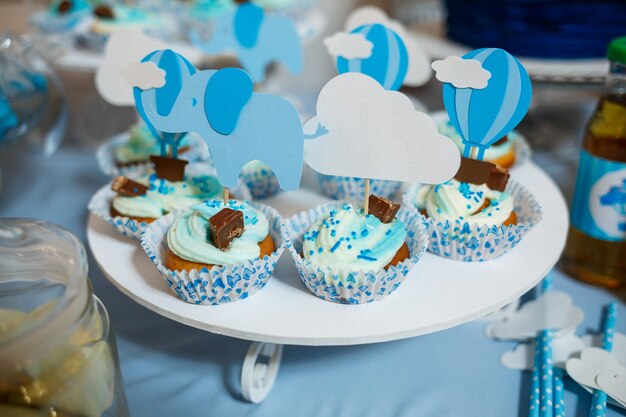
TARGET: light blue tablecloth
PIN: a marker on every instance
(173, 370)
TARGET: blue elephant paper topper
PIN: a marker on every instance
(482, 114)
(237, 124)
(256, 38)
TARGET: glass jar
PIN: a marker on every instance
(57, 355)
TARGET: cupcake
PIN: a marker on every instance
(138, 145)
(477, 216)
(260, 179)
(131, 203)
(353, 189)
(214, 254)
(62, 16)
(510, 150)
(345, 256)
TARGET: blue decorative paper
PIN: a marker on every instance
(256, 38)
(389, 61)
(178, 71)
(484, 116)
(238, 125)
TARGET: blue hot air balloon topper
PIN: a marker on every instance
(161, 100)
(388, 61)
(485, 114)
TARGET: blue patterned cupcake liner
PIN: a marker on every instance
(463, 241)
(220, 284)
(346, 285)
(100, 203)
(198, 151)
(261, 181)
(353, 189)
(46, 22)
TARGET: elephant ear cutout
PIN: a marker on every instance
(227, 92)
(248, 19)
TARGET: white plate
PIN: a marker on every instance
(431, 37)
(438, 293)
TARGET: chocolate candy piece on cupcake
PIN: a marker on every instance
(203, 236)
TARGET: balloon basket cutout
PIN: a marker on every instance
(257, 39)
(353, 189)
(219, 284)
(471, 242)
(347, 285)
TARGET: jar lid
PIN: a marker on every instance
(43, 286)
(617, 50)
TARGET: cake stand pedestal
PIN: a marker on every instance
(438, 293)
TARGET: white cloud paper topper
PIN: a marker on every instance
(593, 362)
(614, 385)
(144, 75)
(348, 45)
(563, 348)
(419, 63)
(125, 46)
(552, 310)
(461, 73)
(375, 133)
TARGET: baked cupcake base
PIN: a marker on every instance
(176, 263)
(115, 213)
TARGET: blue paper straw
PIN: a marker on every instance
(533, 409)
(546, 375)
(541, 390)
(598, 404)
(559, 391)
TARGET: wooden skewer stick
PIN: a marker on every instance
(226, 196)
(366, 202)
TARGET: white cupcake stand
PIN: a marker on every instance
(438, 293)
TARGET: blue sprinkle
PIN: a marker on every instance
(349, 246)
(335, 246)
(333, 233)
(366, 258)
(311, 252)
(320, 250)
(388, 232)
(364, 232)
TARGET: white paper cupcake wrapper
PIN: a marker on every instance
(262, 184)
(468, 242)
(220, 284)
(353, 189)
(100, 203)
(197, 152)
(345, 285)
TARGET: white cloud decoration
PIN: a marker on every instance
(144, 75)
(375, 133)
(461, 73)
(348, 45)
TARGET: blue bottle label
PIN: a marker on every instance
(599, 206)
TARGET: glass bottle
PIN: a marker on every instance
(57, 355)
(596, 244)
